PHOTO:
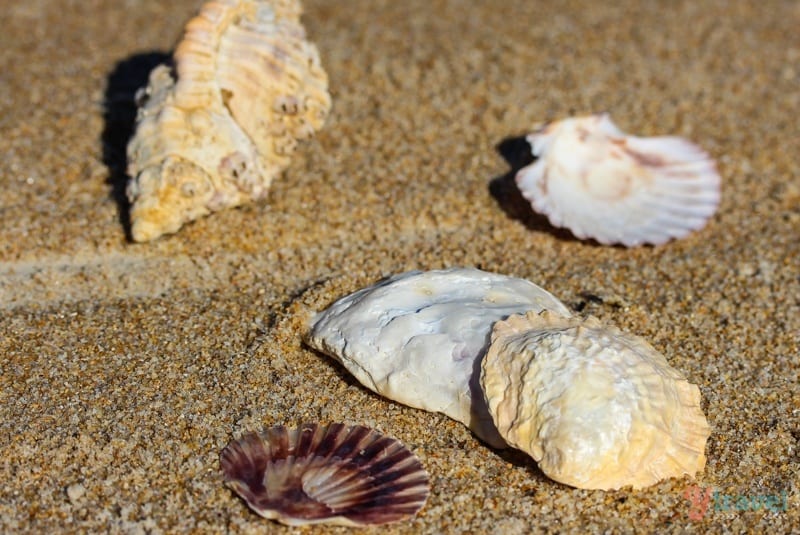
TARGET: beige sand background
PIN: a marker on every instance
(127, 367)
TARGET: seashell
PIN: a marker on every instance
(600, 183)
(214, 129)
(417, 338)
(595, 407)
(335, 474)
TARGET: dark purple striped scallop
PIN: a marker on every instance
(335, 474)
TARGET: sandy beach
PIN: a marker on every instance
(127, 367)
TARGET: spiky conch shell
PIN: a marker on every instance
(600, 183)
(334, 474)
(595, 407)
(215, 128)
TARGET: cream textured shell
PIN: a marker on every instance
(325, 474)
(215, 128)
(600, 183)
(417, 338)
(595, 407)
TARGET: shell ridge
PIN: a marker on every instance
(306, 440)
(361, 475)
(303, 489)
(596, 407)
(357, 491)
(212, 21)
(338, 485)
(600, 183)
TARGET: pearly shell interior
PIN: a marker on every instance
(600, 183)
(417, 338)
(595, 407)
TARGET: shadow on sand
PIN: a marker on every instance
(517, 152)
(119, 114)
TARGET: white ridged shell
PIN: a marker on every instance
(418, 338)
(213, 131)
(600, 183)
(595, 407)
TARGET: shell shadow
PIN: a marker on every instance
(480, 411)
(119, 117)
(517, 153)
(480, 415)
(340, 371)
(521, 459)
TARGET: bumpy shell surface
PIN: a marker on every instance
(417, 338)
(597, 408)
(216, 127)
(336, 474)
(600, 183)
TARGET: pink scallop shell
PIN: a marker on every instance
(600, 183)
